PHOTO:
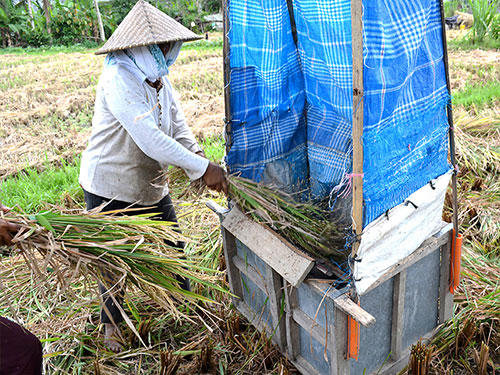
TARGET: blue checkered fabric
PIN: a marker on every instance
(294, 102)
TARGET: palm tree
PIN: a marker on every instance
(46, 10)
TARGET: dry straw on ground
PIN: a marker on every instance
(46, 103)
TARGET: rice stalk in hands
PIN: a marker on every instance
(178, 180)
(136, 249)
(305, 225)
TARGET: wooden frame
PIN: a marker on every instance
(357, 120)
(286, 327)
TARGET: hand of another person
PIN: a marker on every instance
(6, 229)
(215, 178)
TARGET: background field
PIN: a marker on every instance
(46, 103)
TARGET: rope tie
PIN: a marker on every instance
(345, 186)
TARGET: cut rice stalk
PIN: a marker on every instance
(136, 249)
(305, 225)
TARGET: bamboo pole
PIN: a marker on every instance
(357, 120)
(450, 122)
(99, 21)
(227, 77)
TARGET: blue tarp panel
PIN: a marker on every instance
(292, 103)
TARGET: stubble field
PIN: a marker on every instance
(46, 104)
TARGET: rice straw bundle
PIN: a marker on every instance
(305, 225)
(136, 249)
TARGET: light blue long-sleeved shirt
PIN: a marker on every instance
(128, 151)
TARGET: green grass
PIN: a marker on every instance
(465, 44)
(204, 45)
(48, 50)
(32, 190)
(478, 96)
(199, 45)
(214, 148)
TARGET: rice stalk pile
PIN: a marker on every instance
(136, 250)
(305, 225)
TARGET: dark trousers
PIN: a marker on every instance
(20, 350)
(166, 212)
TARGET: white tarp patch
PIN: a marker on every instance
(387, 241)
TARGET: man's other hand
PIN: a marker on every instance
(215, 178)
(7, 229)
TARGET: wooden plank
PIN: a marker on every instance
(357, 119)
(255, 319)
(227, 77)
(278, 253)
(312, 327)
(253, 273)
(398, 308)
(332, 340)
(275, 300)
(428, 246)
(292, 328)
(233, 274)
(271, 285)
(304, 367)
(346, 305)
(445, 297)
(343, 366)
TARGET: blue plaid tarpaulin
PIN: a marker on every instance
(292, 104)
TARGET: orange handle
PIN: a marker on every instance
(352, 338)
(455, 261)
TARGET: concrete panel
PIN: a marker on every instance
(258, 301)
(313, 352)
(375, 341)
(421, 298)
(250, 258)
(311, 303)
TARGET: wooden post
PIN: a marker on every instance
(357, 120)
(227, 76)
(99, 21)
(398, 308)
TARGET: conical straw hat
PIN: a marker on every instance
(145, 25)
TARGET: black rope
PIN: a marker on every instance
(289, 4)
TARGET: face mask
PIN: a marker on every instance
(172, 54)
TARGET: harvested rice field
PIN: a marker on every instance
(46, 105)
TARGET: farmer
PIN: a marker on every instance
(20, 350)
(139, 129)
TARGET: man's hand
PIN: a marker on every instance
(6, 228)
(6, 231)
(201, 153)
(215, 178)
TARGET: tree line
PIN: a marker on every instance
(66, 22)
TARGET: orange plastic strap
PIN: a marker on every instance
(455, 261)
(352, 338)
